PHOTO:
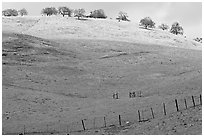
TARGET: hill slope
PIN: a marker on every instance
(64, 79)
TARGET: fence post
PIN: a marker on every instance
(47, 128)
(140, 93)
(120, 120)
(67, 130)
(139, 115)
(176, 105)
(200, 99)
(164, 109)
(185, 103)
(193, 101)
(83, 124)
(94, 123)
(24, 129)
(104, 119)
(152, 113)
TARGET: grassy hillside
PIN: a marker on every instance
(57, 74)
(62, 28)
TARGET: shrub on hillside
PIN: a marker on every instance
(198, 39)
(10, 12)
(98, 14)
(147, 23)
(176, 29)
(79, 13)
(163, 26)
(23, 12)
(123, 16)
(49, 11)
(65, 11)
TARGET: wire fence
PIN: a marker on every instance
(127, 118)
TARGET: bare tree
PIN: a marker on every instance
(49, 11)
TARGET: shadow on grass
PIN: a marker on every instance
(141, 27)
(82, 19)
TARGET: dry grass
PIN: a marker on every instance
(69, 76)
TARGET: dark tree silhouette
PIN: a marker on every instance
(49, 11)
(176, 29)
(10, 12)
(147, 23)
(23, 12)
(65, 11)
(79, 13)
(123, 16)
(98, 14)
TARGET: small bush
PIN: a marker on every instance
(163, 26)
(198, 39)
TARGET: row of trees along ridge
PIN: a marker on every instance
(77, 12)
(146, 22)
